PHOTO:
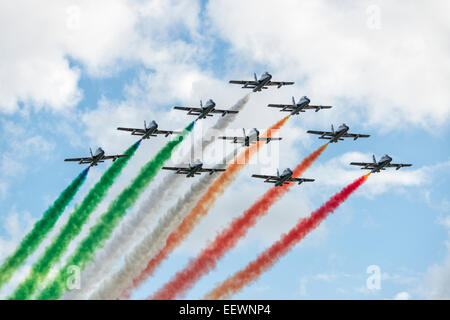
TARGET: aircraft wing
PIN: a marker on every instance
(356, 135)
(317, 108)
(267, 139)
(283, 107)
(191, 111)
(114, 157)
(179, 170)
(235, 139)
(223, 111)
(399, 165)
(279, 84)
(301, 180)
(210, 170)
(324, 134)
(134, 131)
(269, 179)
(247, 84)
(167, 132)
(80, 160)
(364, 165)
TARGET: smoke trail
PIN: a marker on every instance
(203, 205)
(271, 255)
(136, 260)
(100, 232)
(40, 229)
(228, 238)
(72, 228)
(135, 225)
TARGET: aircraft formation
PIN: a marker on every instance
(209, 110)
(180, 219)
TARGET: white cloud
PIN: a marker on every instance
(437, 280)
(37, 40)
(12, 161)
(34, 70)
(15, 225)
(19, 147)
(390, 76)
(402, 296)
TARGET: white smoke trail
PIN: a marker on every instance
(135, 226)
(137, 260)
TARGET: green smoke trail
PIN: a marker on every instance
(108, 221)
(72, 228)
(40, 229)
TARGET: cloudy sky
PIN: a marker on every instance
(73, 71)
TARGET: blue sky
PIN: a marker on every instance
(69, 92)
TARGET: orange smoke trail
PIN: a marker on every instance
(270, 256)
(201, 208)
(228, 238)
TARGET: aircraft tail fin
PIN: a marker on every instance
(243, 130)
(374, 159)
(293, 100)
(145, 125)
(90, 150)
(278, 172)
(332, 128)
(201, 103)
(256, 78)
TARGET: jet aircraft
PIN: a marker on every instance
(262, 83)
(147, 132)
(249, 139)
(96, 158)
(339, 134)
(284, 178)
(205, 111)
(382, 164)
(193, 169)
(297, 107)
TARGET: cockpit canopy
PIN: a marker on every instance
(286, 172)
(99, 151)
(254, 132)
(265, 75)
(303, 99)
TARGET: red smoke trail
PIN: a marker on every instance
(202, 207)
(228, 238)
(270, 256)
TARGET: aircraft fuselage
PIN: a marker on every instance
(302, 103)
(284, 177)
(97, 157)
(342, 130)
(193, 169)
(265, 79)
(253, 136)
(210, 105)
(150, 130)
(384, 161)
